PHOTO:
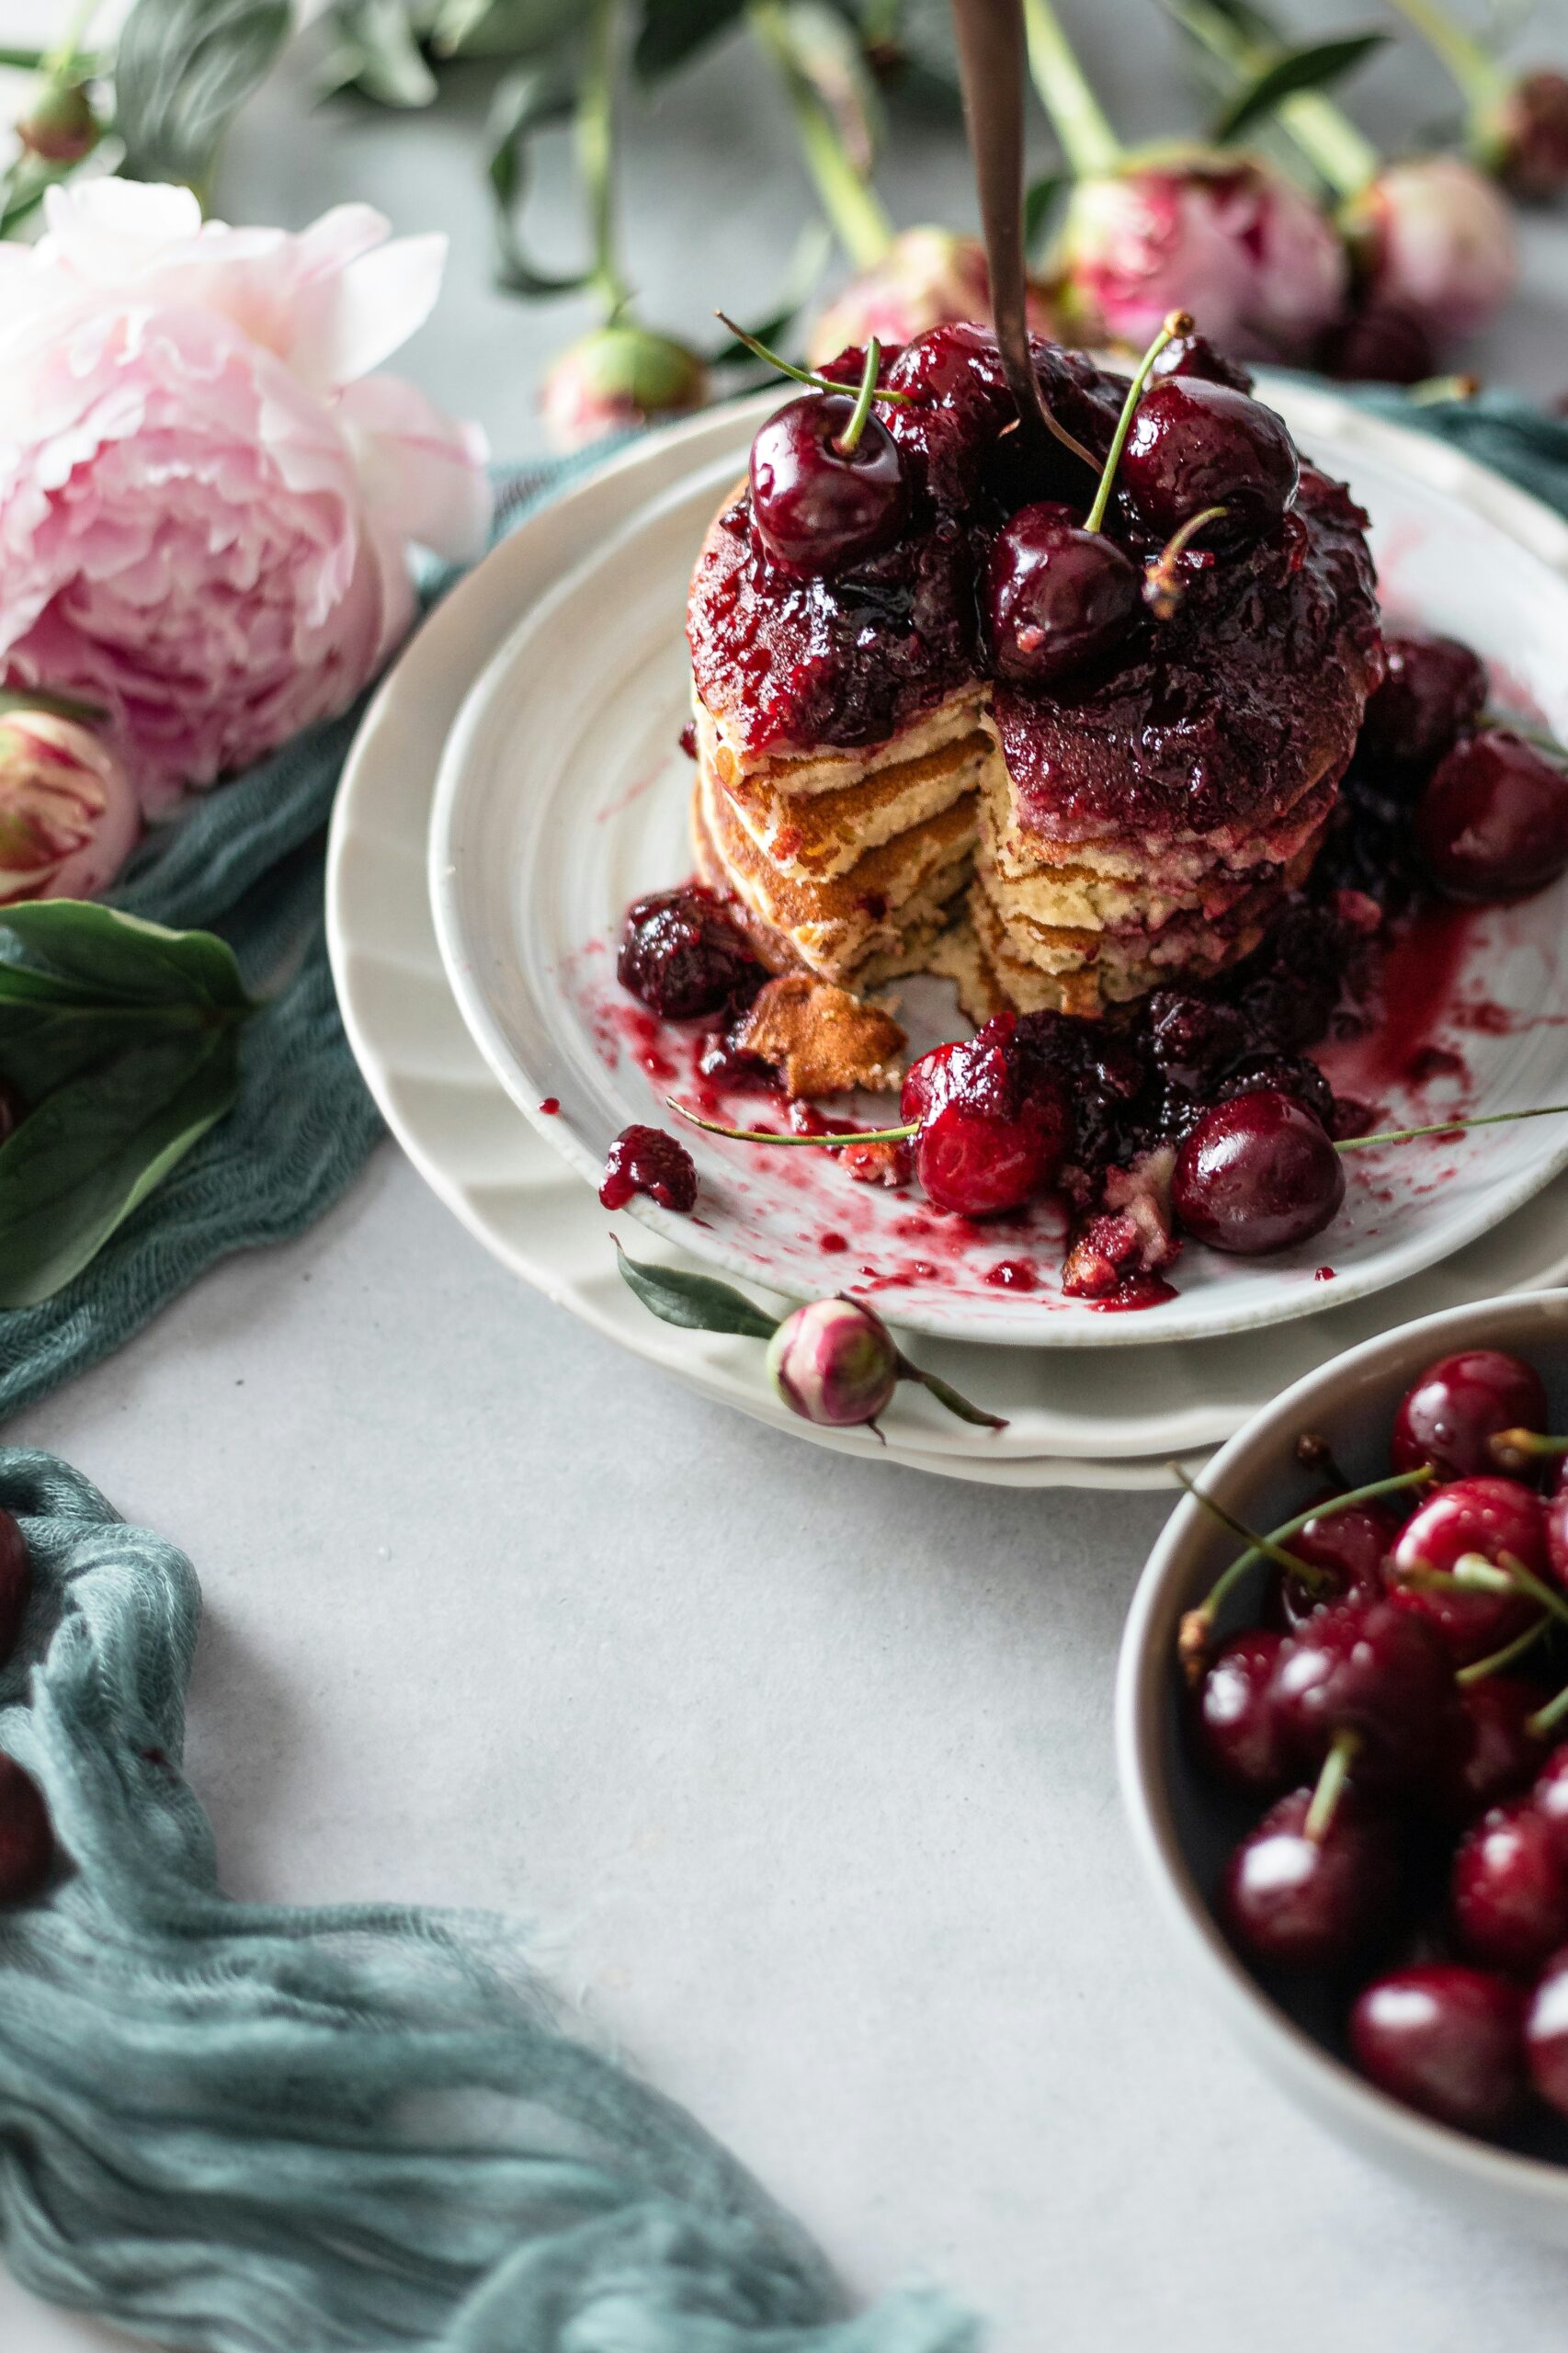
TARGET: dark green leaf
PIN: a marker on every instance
(505, 27)
(696, 1302)
(672, 32)
(71, 951)
(79, 1164)
(524, 102)
(945, 1394)
(43, 1047)
(183, 70)
(1039, 204)
(1312, 68)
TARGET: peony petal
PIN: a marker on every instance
(423, 473)
(348, 322)
(103, 230)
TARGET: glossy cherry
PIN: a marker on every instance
(1295, 1903)
(1557, 1521)
(1550, 1799)
(1235, 1728)
(1492, 823)
(1056, 597)
(26, 1842)
(1194, 355)
(1196, 444)
(1450, 1416)
(1509, 1891)
(815, 507)
(1369, 1669)
(1445, 2039)
(16, 1582)
(1256, 1174)
(991, 1132)
(1546, 2034)
(1489, 1519)
(1433, 690)
(645, 1160)
(1496, 1755)
(682, 956)
(1350, 1546)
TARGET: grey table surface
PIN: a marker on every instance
(803, 1768)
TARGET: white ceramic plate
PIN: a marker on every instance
(1075, 1420)
(563, 793)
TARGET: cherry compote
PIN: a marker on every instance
(1434, 689)
(817, 504)
(1196, 444)
(683, 957)
(645, 1160)
(1492, 823)
(1056, 597)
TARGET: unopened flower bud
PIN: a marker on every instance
(1525, 141)
(927, 278)
(834, 1362)
(615, 378)
(1434, 237)
(60, 127)
(68, 815)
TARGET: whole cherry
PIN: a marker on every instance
(991, 1134)
(821, 501)
(1350, 1547)
(1256, 1174)
(1195, 444)
(1509, 1891)
(26, 1842)
(1446, 2039)
(1450, 1416)
(1550, 1799)
(1492, 823)
(1368, 1670)
(1298, 1902)
(1433, 689)
(1496, 1754)
(1557, 1523)
(1490, 1521)
(1546, 2034)
(1056, 597)
(1235, 1727)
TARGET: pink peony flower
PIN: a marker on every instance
(616, 379)
(1232, 241)
(68, 815)
(926, 278)
(207, 498)
(1434, 237)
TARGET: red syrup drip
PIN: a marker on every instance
(551, 1107)
(1138, 1291)
(1418, 980)
(1012, 1274)
(833, 1242)
(1324, 1275)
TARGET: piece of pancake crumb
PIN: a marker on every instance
(820, 1038)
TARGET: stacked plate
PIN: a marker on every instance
(518, 781)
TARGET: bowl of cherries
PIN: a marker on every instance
(1342, 1740)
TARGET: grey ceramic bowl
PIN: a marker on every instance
(1182, 1827)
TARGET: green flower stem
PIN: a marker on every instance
(1331, 1786)
(1480, 77)
(1090, 143)
(1176, 322)
(1450, 1127)
(855, 212)
(1493, 1664)
(1339, 154)
(1315, 1579)
(57, 62)
(595, 151)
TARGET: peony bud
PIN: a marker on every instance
(60, 127)
(68, 815)
(927, 278)
(1526, 139)
(1433, 237)
(1229, 239)
(617, 378)
(834, 1362)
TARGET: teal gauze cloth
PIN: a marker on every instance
(265, 2129)
(247, 861)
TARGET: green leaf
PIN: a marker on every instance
(1312, 68)
(375, 49)
(505, 27)
(697, 1303)
(43, 1047)
(1039, 204)
(673, 31)
(825, 54)
(183, 70)
(72, 951)
(78, 1166)
(524, 102)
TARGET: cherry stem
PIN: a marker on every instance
(767, 1135)
(1474, 1573)
(1331, 1784)
(1450, 1127)
(1316, 1580)
(1432, 391)
(1479, 1669)
(1542, 1722)
(1163, 586)
(850, 439)
(1514, 1451)
(807, 375)
(1176, 322)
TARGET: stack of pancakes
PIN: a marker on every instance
(1137, 829)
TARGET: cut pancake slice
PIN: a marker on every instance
(879, 918)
